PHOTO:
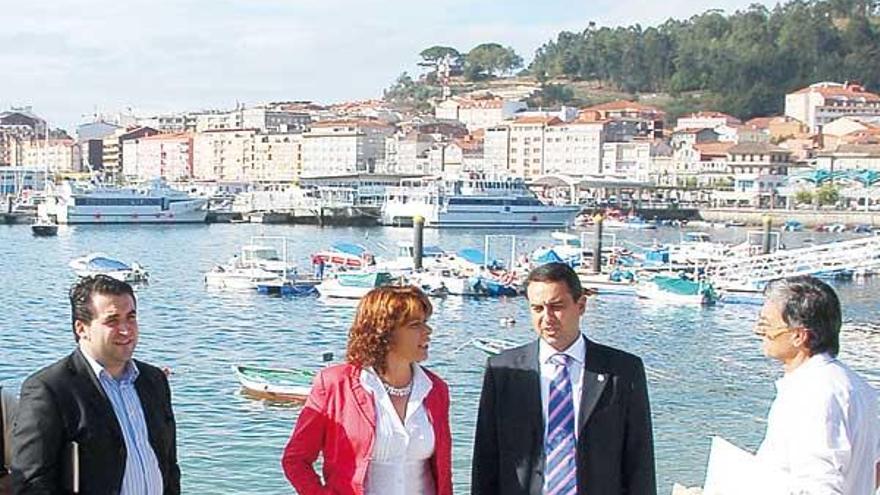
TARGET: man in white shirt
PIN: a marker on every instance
(823, 427)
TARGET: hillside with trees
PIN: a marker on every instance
(742, 63)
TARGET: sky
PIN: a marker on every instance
(69, 59)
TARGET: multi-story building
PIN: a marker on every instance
(528, 145)
(630, 160)
(22, 122)
(261, 118)
(54, 154)
(345, 147)
(112, 147)
(247, 155)
(821, 103)
(850, 157)
(170, 123)
(706, 120)
(647, 119)
(575, 148)
(496, 150)
(759, 170)
(169, 156)
(479, 113)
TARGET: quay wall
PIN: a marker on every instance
(806, 217)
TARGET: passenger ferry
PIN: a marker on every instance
(154, 202)
(472, 203)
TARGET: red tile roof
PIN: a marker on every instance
(714, 148)
(838, 91)
(537, 120)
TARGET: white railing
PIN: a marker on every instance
(856, 254)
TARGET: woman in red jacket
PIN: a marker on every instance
(381, 420)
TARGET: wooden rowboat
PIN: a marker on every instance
(275, 384)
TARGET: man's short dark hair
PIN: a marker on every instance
(810, 303)
(558, 272)
(81, 294)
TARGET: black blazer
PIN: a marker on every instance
(64, 402)
(615, 448)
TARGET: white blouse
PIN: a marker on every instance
(400, 464)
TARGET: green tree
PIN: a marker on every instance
(490, 59)
(827, 195)
(803, 197)
(408, 93)
(433, 56)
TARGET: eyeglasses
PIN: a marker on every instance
(764, 330)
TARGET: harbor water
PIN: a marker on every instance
(706, 373)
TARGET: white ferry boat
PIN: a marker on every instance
(153, 202)
(472, 203)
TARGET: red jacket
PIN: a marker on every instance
(339, 420)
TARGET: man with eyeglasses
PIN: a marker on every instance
(823, 426)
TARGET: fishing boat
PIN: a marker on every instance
(102, 264)
(275, 384)
(344, 254)
(493, 346)
(258, 265)
(676, 290)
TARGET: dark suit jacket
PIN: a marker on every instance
(615, 448)
(64, 402)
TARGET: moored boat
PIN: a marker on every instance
(676, 290)
(44, 227)
(353, 285)
(493, 346)
(102, 264)
(275, 384)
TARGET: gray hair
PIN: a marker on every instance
(810, 303)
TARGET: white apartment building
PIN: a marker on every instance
(630, 160)
(850, 157)
(528, 145)
(821, 103)
(575, 148)
(344, 147)
(260, 118)
(169, 156)
(496, 150)
(479, 113)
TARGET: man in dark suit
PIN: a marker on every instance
(97, 421)
(563, 415)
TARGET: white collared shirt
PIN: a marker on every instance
(823, 429)
(578, 352)
(400, 464)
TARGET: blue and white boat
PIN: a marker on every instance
(103, 264)
(154, 202)
(472, 203)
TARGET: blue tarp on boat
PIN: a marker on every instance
(373, 279)
(546, 256)
(349, 248)
(472, 255)
(107, 264)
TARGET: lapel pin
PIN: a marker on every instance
(600, 378)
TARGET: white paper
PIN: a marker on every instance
(734, 471)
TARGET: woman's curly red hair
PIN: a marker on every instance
(380, 312)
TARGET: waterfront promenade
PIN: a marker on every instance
(705, 370)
